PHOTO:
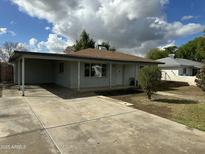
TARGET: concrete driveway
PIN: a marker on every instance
(42, 122)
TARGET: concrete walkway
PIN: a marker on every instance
(44, 123)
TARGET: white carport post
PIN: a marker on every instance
(135, 74)
(23, 76)
(19, 66)
(110, 83)
(123, 74)
(14, 73)
(78, 75)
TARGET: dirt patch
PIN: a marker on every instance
(185, 111)
(140, 102)
(190, 91)
(181, 88)
(119, 92)
(176, 101)
(162, 111)
(171, 85)
(185, 91)
(67, 93)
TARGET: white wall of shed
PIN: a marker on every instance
(170, 72)
(176, 74)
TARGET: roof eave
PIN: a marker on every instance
(16, 54)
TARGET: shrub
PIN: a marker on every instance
(200, 79)
(150, 77)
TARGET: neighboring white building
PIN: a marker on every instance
(85, 69)
(178, 69)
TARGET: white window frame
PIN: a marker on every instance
(90, 70)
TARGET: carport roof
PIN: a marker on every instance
(92, 54)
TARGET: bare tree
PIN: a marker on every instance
(8, 48)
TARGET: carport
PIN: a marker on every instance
(32, 71)
(39, 68)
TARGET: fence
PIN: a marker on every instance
(6, 72)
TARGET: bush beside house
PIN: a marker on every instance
(200, 79)
(150, 77)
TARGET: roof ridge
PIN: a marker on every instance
(175, 59)
(114, 52)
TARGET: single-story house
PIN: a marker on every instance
(88, 68)
(178, 69)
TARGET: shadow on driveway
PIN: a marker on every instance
(176, 101)
(66, 93)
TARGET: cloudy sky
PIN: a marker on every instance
(132, 26)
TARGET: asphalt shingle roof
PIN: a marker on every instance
(110, 55)
(175, 62)
(91, 54)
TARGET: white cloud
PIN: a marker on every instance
(138, 28)
(33, 42)
(54, 43)
(47, 28)
(169, 44)
(4, 30)
(174, 30)
(21, 46)
(187, 17)
(189, 29)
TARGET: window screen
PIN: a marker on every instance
(61, 67)
(87, 70)
(184, 71)
(95, 70)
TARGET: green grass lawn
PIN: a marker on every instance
(192, 116)
(187, 112)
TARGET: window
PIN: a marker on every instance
(61, 67)
(141, 67)
(103, 69)
(95, 70)
(184, 71)
(195, 71)
(87, 70)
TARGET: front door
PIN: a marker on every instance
(117, 74)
